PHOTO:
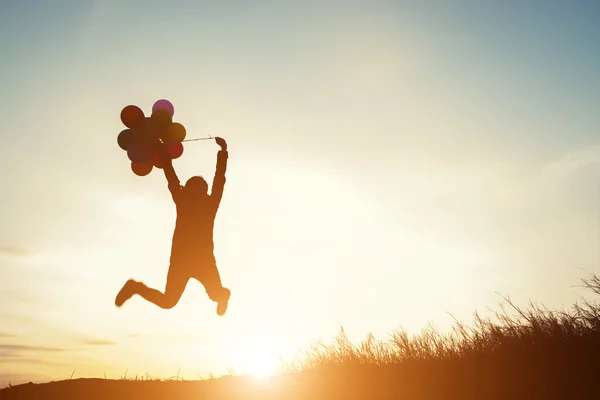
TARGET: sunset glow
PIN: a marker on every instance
(262, 366)
(390, 164)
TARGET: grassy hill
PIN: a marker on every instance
(531, 353)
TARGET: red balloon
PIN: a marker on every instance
(141, 169)
(175, 150)
(132, 116)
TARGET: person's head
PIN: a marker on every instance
(196, 186)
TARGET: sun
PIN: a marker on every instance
(261, 365)
(263, 369)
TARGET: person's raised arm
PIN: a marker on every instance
(167, 164)
(219, 181)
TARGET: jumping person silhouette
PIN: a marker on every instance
(192, 253)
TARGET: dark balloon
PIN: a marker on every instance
(125, 139)
(145, 135)
(156, 159)
(161, 120)
(132, 116)
(139, 154)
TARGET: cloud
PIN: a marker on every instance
(573, 179)
(14, 252)
(64, 341)
(22, 360)
(99, 342)
(168, 338)
(572, 163)
(21, 354)
(19, 347)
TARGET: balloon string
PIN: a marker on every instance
(193, 140)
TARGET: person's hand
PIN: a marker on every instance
(163, 153)
(221, 142)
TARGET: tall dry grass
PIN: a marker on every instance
(512, 331)
(517, 352)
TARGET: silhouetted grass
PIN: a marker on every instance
(517, 351)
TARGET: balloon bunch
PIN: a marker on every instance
(144, 134)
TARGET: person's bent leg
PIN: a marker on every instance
(208, 275)
(177, 280)
(126, 292)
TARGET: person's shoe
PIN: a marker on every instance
(223, 302)
(126, 292)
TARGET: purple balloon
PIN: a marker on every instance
(139, 154)
(163, 104)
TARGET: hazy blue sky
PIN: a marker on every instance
(390, 162)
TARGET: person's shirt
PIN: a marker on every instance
(196, 217)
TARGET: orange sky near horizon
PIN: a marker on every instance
(389, 164)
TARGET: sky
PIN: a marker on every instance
(391, 164)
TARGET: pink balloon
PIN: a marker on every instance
(163, 104)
